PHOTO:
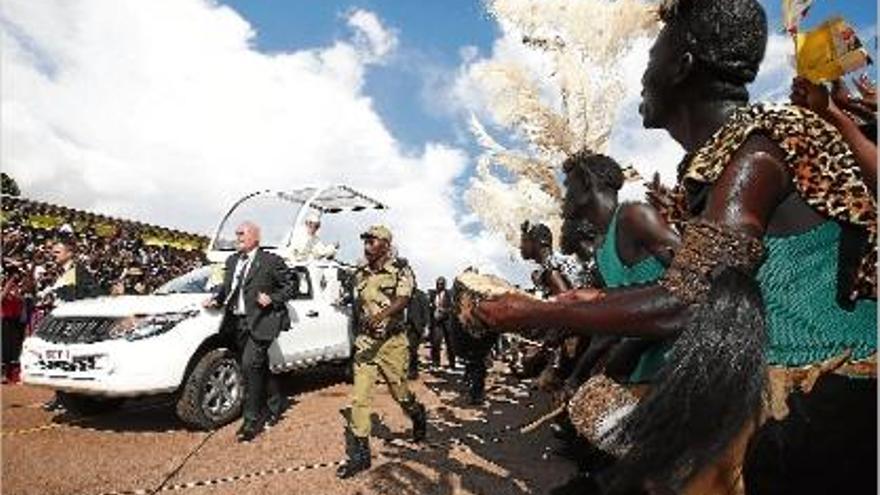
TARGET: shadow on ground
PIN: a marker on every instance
(471, 449)
(157, 414)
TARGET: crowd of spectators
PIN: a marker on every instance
(115, 251)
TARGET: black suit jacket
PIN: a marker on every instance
(417, 311)
(269, 274)
(84, 287)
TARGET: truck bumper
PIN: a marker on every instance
(116, 368)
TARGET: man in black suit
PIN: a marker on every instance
(440, 301)
(75, 282)
(255, 290)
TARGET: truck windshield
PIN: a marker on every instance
(189, 283)
(275, 215)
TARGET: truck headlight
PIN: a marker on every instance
(141, 327)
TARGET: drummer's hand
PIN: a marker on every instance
(506, 312)
(579, 295)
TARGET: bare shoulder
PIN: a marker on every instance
(752, 185)
(759, 161)
(637, 213)
(759, 147)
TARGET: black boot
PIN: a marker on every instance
(476, 385)
(419, 416)
(476, 397)
(358, 458)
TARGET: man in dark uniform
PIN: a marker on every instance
(256, 287)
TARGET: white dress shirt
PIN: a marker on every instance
(241, 270)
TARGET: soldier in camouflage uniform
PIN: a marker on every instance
(383, 287)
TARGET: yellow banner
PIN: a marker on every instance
(45, 222)
(104, 229)
(176, 243)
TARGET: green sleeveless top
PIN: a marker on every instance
(799, 281)
(614, 271)
(617, 274)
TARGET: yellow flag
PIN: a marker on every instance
(829, 51)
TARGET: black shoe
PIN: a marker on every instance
(53, 405)
(419, 416)
(272, 419)
(358, 459)
(248, 432)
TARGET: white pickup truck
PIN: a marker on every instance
(97, 352)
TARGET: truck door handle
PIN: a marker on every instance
(312, 313)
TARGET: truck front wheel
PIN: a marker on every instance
(213, 392)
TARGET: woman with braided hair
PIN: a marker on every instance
(631, 244)
(634, 246)
(775, 192)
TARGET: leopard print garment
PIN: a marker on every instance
(821, 164)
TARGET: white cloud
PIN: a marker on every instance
(163, 111)
(371, 34)
(464, 94)
(773, 82)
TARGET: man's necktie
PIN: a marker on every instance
(241, 269)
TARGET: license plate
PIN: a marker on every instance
(57, 355)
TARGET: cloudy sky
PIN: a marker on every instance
(167, 111)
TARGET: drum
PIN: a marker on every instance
(469, 289)
(598, 405)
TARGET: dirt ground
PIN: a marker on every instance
(143, 448)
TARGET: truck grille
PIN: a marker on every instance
(84, 330)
